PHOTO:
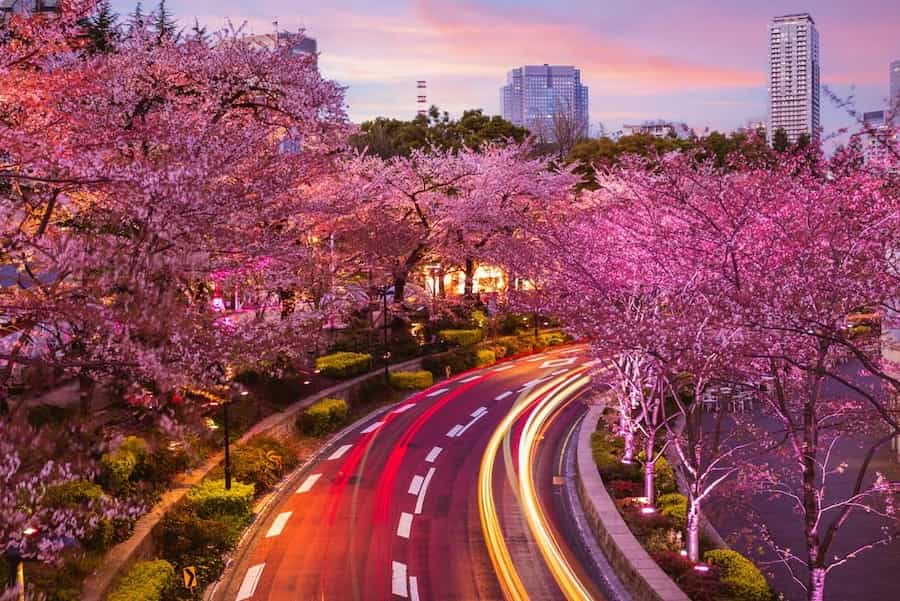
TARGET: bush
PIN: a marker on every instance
(607, 451)
(742, 579)
(322, 417)
(461, 337)
(697, 586)
(262, 461)
(210, 499)
(551, 339)
(162, 465)
(459, 361)
(485, 357)
(344, 365)
(664, 476)
(118, 467)
(144, 581)
(373, 390)
(674, 507)
(624, 489)
(71, 494)
(411, 380)
(663, 540)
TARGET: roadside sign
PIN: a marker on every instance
(189, 575)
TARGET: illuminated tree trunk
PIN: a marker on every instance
(649, 484)
(693, 531)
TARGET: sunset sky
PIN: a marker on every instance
(702, 62)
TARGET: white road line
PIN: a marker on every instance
(416, 485)
(532, 383)
(500, 397)
(538, 358)
(403, 408)
(398, 578)
(471, 423)
(437, 392)
(559, 372)
(308, 483)
(557, 363)
(454, 431)
(405, 524)
(372, 428)
(504, 367)
(413, 588)
(469, 379)
(421, 500)
(279, 524)
(340, 452)
(433, 454)
(479, 411)
(251, 579)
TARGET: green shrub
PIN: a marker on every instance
(45, 415)
(461, 337)
(411, 380)
(162, 465)
(71, 494)
(323, 416)
(740, 576)
(210, 498)
(674, 507)
(663, 540)
(373, 390)
(485, 357)
(551, 339)
(144, 581)
(458, 360)
(262, 461)
(344, 365)
(118, 467)
(607, 452)
(136, 446)
(664, 476)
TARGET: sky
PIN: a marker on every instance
(702, 62)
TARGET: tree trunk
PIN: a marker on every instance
(649, 484)
(693, 531)
(816, 584)
(399, 286)
(627, 429)
(85, 392)
(470, 279)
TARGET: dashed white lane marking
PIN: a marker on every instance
(532, 383)
(538, 358)
(372, 428)
(433, 454)
(308, 483)
(470, 379)
(559, 372)
(340, 452)
(454, 431)
(403, 408)
(398, 578)
(437, 392)
(279, 524)
(479, 411)
(251, 579)
(421, 500)
(502, 396)
(416, 485)
(504, 367)
(477, 415)
(405, 524)
(413, 588)
(557, 363)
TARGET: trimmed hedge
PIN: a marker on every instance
(411, 380)
(210, 499)
(118, 466)
(485, 357)
(144, 581)
(344, 365)
(674, 507)
(323, 416)
(461, 337)
(71, 494)
(262, 461)
(743, 580)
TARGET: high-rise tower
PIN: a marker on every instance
(794, 76)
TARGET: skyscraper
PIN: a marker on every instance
(793, 76)
(894, 106)
(544, 99)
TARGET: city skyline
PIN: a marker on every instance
(704, 64)
(794, 77)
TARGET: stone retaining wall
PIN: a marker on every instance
(633, 565)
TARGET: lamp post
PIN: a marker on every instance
(14, 558)
(240, 391)
(383, 290)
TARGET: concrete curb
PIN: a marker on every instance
(140, 544)
(633, 565)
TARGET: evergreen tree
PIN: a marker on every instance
(199, 32)
(780, 140)
(164, 24)
(102, 29)
(137, 20)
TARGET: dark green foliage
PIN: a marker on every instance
(262, 461)
(411, 380)
(344, 365)
(71, 494)
(674, 507)
(780, 140)
(144, 581)
(458, 360)
(485, 357)
(164, 25)
(461, 337)
(323, 417)
(102, 30)
(607, 451)
(742, 579)
(697, 586)
(210, 499)
(373, 391)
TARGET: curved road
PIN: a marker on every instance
(402, 507)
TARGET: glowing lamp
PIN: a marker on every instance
(648, 510)
(29, 531)
(702, 568)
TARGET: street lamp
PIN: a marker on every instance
(14, 557)
(241, 392)
(383, 290)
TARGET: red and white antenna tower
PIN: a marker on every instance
(422, 97)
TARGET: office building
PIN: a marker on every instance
(298, 43)
(28, 6)
(894, 105)
(794, 76)
(544, 98)
(660, 129)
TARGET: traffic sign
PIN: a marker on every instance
(189, 574)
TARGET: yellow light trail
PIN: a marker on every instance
(552, 396)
